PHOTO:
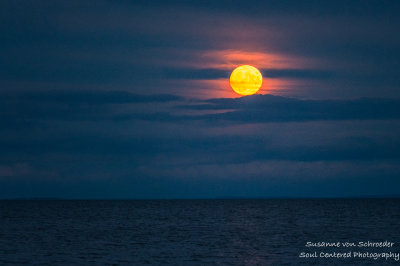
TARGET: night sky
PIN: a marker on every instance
(131, 99)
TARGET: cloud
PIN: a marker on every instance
(87, 97)
(269, 108)
(150, 52)
(205, 149)
(347, 47)
(28, 107)
(297, 73)
(214, 73)
(25, 109)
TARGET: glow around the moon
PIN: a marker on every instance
(246, 80)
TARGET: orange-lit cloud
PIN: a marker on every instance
(229, 59)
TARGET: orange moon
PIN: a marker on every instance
(246, 80)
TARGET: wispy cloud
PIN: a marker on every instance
(87, 97)
(269, 108)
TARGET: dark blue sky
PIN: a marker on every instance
(130, 99)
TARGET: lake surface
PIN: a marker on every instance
(195, 232)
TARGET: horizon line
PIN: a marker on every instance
(212, 198)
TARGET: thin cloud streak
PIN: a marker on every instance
(269, 108)
(117, 106)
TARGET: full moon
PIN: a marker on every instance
(246, 80)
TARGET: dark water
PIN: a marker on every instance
(193, 232)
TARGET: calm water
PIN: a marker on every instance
(192, 232)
